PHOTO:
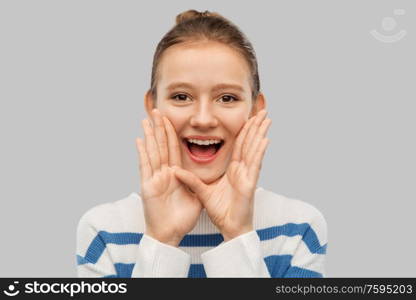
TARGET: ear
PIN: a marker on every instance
(149, 102)
(258, 105)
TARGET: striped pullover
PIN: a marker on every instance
(289, 240)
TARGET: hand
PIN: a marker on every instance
(170, 209)
(229, 203)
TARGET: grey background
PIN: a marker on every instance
(72, 79)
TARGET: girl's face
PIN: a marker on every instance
(204, 90)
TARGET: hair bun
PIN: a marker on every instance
(194, 14)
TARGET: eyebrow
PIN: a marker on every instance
(218, 87)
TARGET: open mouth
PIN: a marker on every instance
(202, 153)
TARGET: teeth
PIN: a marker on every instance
(205, 142)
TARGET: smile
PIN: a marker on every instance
(204, 153)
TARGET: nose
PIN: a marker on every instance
(203, 116)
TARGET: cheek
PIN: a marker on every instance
(175, 119)
(234, 123)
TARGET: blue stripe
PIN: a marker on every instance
(197, 271)
(124, 270)
(201, 240)
(279, 266)
(290, 229)
(103, 238)
(296, 272)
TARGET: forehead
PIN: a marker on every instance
(203, 64)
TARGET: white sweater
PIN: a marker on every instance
(289, 240)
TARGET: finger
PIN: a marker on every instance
(261, 133)
(252, 131)
(173, 144)
(254, 168)
(145, 167)
(161, 138)
(151, 146)
(238, 144)
(191, 180)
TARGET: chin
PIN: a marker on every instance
(207, 174)
(209, 178)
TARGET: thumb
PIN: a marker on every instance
(191, 180)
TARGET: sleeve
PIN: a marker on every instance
(154, 259)
(309, 257)
(239, 257)
(93, 258)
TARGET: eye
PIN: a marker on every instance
(183, 97)
(228, 99)
(179, 97)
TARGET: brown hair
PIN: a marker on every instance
(193, 25)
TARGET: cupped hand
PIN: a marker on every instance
(229, 203)
(170, 209)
